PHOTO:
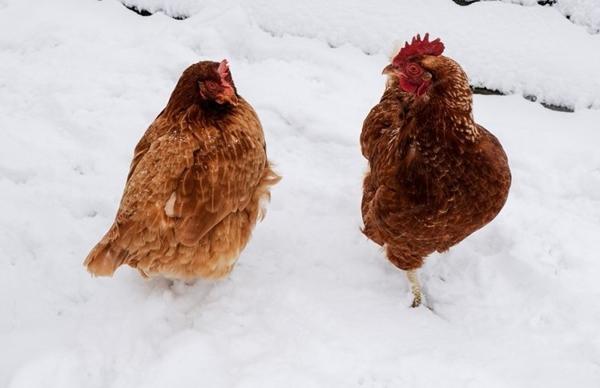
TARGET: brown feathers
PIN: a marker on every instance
(435, 175)
(194, 190)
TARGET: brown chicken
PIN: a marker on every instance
(435, 176)
(198, 179)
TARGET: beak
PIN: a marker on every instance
(389, 70)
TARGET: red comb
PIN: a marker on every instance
(419, 46)
(223, 69)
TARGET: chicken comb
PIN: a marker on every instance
(223, 69)
(419, 46)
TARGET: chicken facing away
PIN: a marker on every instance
(196, 186)
(435, 175)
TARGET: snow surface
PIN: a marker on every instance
(312, 303)
(584, 12)
(515, 49)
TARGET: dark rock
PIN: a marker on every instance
(139, 11)
(558, 108)
(145, 12)
(485, 91)
(465, 2)
(469, 2)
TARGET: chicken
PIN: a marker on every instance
(435, 175)
(196, 186)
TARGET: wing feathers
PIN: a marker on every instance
(207, 184)
(182, 183)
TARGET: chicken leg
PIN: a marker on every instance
(415, 287)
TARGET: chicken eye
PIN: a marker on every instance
(211, 86)
(413, 70)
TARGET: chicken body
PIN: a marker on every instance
(195, 187)
(435, 176)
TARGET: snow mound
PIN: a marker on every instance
(178, 9)
(548, 47)
(584, 12)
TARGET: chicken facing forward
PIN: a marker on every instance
(435, 176)
(198, 179)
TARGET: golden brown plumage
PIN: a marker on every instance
(195, 186)
(435, 176)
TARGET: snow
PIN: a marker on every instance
(311, 303)
(583, 12)
(559, 73)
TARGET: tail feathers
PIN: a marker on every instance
(105, 258)
(263, 193)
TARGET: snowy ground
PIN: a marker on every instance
(584, 12)
(312, 303)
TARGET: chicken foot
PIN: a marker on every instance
(415, 287)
